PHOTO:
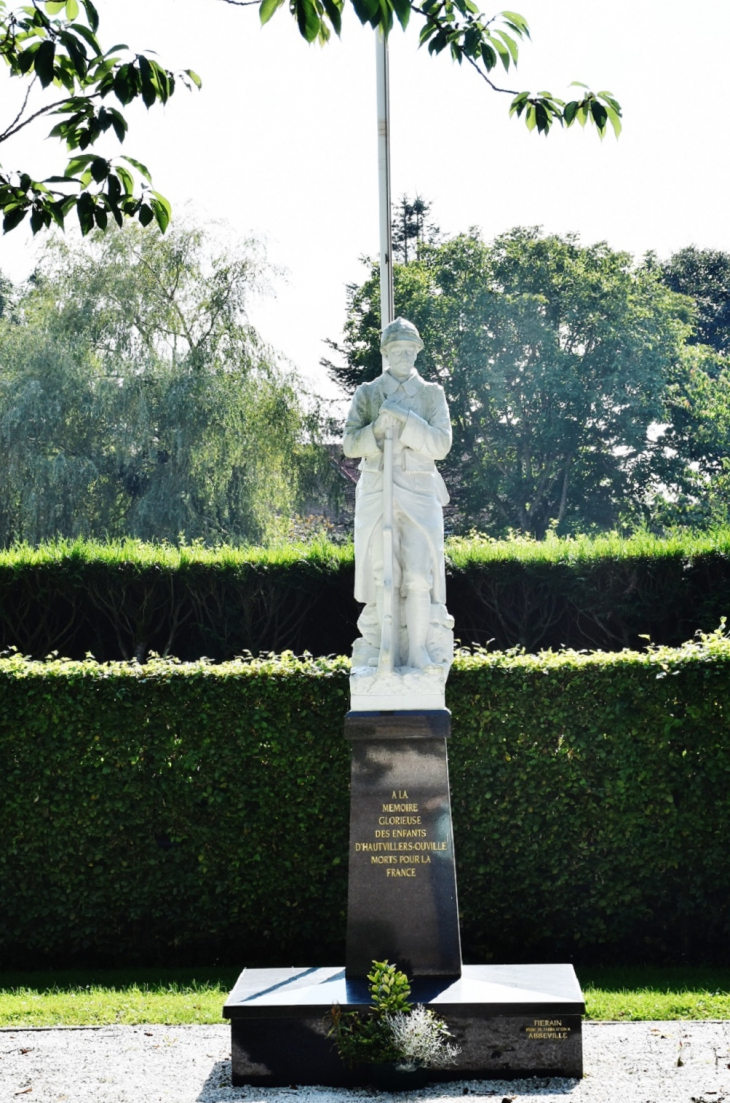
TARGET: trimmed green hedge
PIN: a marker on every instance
(123, 601)
(181, 813)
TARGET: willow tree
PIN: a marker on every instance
(137, 399)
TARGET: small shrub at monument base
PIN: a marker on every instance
(393, 1031)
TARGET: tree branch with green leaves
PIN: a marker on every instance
(460, 29)
(54, 44)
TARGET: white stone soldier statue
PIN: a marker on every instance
(418, 416)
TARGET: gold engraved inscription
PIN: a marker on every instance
(400, 842)
(400, 820)
(390, 844)
(548, 1030)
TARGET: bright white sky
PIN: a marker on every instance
(281, 142)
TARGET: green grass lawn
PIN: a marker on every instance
(655, 993)
(176, 996)
(97, 997)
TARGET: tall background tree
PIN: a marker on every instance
(697, 426)
(557, 359)
(412, 227)
(704, 275)
(136, 399)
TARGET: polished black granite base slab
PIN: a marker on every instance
(510, 1021)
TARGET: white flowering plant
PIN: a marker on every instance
(421, 1039)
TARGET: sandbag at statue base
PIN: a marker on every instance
(399, 690)
(403, 688)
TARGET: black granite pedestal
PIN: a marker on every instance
(508, 1020)
(401, 904)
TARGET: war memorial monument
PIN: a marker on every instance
(508, 1020)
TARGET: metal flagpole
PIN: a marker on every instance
(389, 627)
(386, 260)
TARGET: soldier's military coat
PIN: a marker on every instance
(419, 492)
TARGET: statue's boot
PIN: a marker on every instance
(418, 618)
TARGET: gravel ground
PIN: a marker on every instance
(676, 1062)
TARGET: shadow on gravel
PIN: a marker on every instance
(218, 1089)
(503, 1091)
(218, 1085)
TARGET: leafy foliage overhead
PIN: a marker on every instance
(460, 29)
(53, 44)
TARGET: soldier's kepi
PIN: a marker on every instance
(399, 425)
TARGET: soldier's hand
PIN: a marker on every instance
(386, 421)
(395, 411)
